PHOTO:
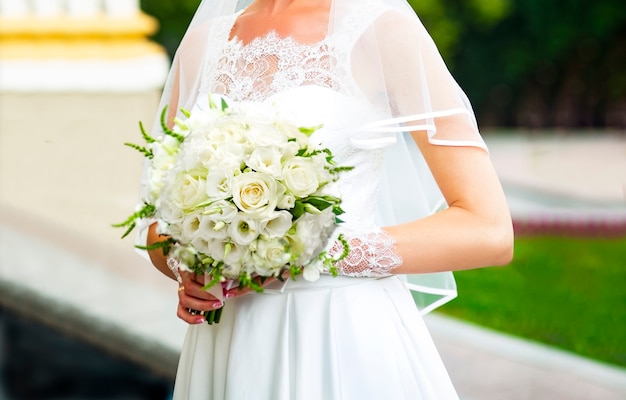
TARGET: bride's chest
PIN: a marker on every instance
(271, 64)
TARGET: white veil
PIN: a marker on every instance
(397, 68)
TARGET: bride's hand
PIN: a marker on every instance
(193, 301)
(239, 291)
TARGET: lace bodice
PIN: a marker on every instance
(270, 64)
(312, 81)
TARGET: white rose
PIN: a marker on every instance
(243, 230)
(270, 256)
(188, 191)
(277, 224)
(266, 160)
(228, 130)
(255, 193)
(168, 212)
(300, 176)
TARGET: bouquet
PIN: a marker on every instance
(242, 194)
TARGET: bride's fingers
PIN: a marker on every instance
(191, 310)
(197, 299)
(240, 291)
(190, 316)
(193, 287)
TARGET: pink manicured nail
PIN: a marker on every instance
(229, 295)
(200, 321)
(218, 304)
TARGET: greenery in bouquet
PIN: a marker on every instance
(241, 192)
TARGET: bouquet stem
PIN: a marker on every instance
(213, 316)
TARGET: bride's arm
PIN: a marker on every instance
(474, 231)
(159, 260)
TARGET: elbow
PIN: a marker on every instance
(502, 244)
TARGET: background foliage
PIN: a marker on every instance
(527, 63)
(562, 291)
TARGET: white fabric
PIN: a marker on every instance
(337, 338)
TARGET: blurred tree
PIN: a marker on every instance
(174, 17)
(536, 63)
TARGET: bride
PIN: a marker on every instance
(422, 200)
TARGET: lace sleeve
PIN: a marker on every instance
(370, 255)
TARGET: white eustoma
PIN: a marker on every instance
(218, 184)
(286, 201)
(267, 160)
(277, 224)
(243, 229)
(190, 226)
(312, 271)
(221, 210)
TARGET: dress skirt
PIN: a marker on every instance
(335, 339)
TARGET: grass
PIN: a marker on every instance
(566, 292)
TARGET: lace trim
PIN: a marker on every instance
(270, 64)
(371, 255)
(267, 65)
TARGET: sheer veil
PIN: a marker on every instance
(394, 65)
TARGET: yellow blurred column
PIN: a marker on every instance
(76, 76)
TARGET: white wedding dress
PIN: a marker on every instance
(336, 338)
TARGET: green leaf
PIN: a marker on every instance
(309, 130)
(298, 210)
(318, 202)
(144, 133)
(167, 130)
(146, 152)
(164, 245)
(147, 210)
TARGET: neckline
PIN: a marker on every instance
(235, 40)
(272, 35)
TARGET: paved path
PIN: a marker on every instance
(577, 178)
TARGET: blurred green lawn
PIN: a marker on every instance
(566, 292)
